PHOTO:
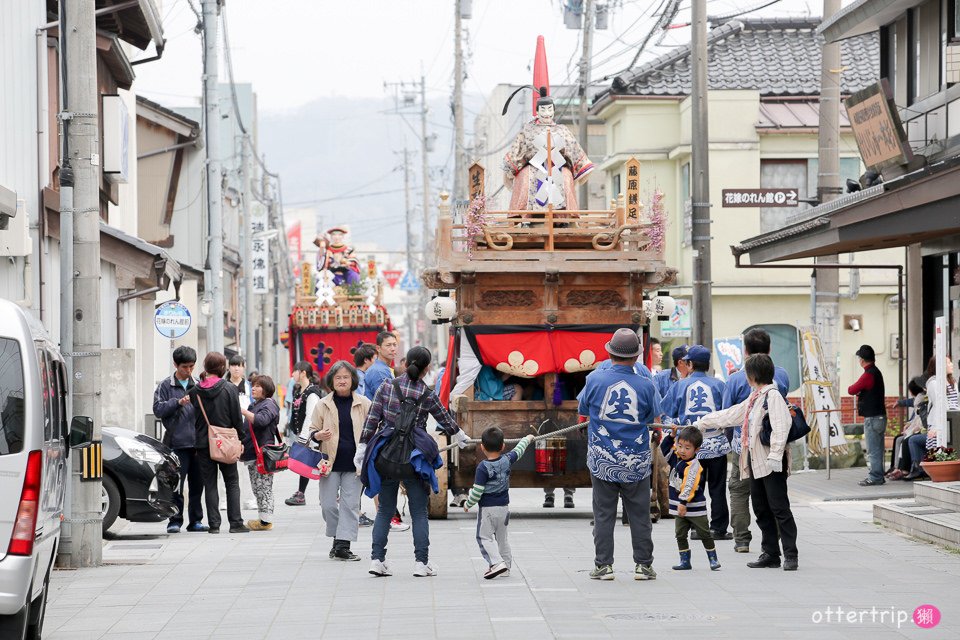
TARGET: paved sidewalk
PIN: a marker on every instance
(280, 584)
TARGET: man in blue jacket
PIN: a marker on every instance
(171, 405)
(738, 389)
(382, 368)
(669, 377)
(620, 404)
(698, 395)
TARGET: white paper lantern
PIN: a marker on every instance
(441, 309)
(664, 305)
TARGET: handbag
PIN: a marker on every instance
(798, 425)
(272, 457)
(225, 445)
(308, 463)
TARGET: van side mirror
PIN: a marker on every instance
(81, 432)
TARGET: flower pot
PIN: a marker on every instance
(948, 471)
(888, 442)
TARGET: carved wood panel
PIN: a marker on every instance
(605, 298)
(498, 299)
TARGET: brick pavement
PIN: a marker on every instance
(281, 584)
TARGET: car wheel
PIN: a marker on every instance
(38, 611)
(110, 507)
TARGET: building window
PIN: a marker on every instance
(615, 192)
(799, 174)
(924, 52)
(784, 349)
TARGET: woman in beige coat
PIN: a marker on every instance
(766, 466)
(336, 425)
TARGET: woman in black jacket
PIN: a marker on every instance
(262, 417)
(221, 402)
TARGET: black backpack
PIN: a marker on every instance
(393, 461)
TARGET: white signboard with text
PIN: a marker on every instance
(819, 389)
(260, 254)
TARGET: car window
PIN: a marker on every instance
(46, 393)
(11, 398)
(60, 426)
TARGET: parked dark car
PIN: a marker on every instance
(140, 475)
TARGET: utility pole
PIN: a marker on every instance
(827, 291)
(83, 148)
(247, 321)
(459, 154)
(411, 317)
(588, 14)
(425, 241)
(211, 110)
(700, 189)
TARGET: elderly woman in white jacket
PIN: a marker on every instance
(766, 466)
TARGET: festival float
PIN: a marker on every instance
(533, 293)
(338, 304)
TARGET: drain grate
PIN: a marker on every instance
(660, 617)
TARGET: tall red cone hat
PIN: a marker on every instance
(540, 76)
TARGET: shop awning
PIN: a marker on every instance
(916, 207)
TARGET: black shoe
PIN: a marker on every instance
(344, 553)
(867, 482)
(695, 535)
(548, 501)
(726, 535)
(240, 528)
(915, 475)
(213, 530)
(765, 561)
(668, 516)
(568, 502)
(333, 552)
(790, 564)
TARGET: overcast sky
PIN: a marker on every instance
(295, 51)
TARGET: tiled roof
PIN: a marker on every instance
(778, 57)
(793, 114)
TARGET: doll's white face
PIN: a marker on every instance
(336, 238)
(545, 112)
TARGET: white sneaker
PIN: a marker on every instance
(505, 574)
(396, 524)
(424, 570)
(496, 570)
(379, 569)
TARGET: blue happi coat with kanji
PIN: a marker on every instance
(693, 397)
(620, 404)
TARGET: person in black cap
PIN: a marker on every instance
(870, 404)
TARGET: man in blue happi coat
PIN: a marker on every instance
(698, 395)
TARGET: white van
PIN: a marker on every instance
(33, 468)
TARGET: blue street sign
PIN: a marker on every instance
(409, 282)
(172, 319)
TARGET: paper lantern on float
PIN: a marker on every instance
(441, 309)
(663, 305)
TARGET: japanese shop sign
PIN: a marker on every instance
(760, 197)
(819, 389)
(476, 175)
(260, 253)
(876, 126)
(633, 189)
(172, 319)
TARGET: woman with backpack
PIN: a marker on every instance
(263, 418)
(303, 407)
(396, 449)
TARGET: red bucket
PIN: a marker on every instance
(550, 456)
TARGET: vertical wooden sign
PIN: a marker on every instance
(633, 189)
(476, 177)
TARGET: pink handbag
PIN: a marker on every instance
(225, 445)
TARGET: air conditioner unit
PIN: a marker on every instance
(14, 225)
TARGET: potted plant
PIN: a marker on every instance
(942, 464)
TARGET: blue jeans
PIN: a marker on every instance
(189, 473)
(874, 430)
(917, 445)
(417, 495)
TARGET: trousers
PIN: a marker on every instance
(874, 430)
(636, 504)
(771, 504)
(716, 470)
(682, 528)
(417, 496)
(191, 474)
(340, 503)
(231, 481)
(492, 534)
(262, 485)
(739, 505)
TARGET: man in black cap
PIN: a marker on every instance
(870, 404)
